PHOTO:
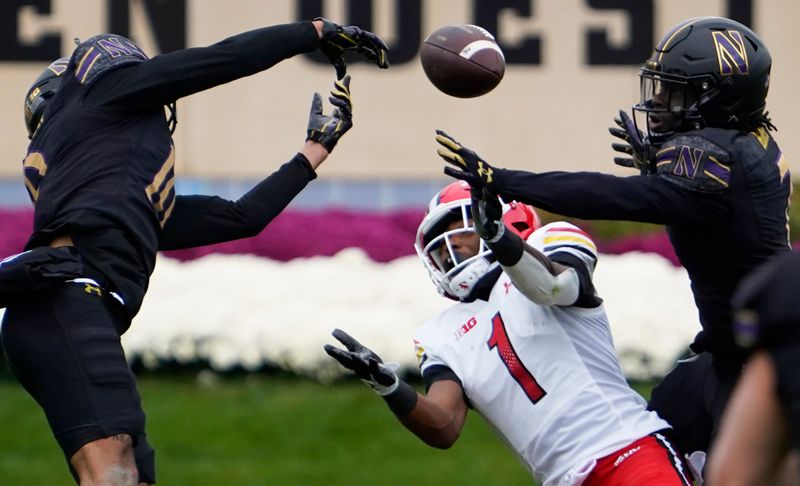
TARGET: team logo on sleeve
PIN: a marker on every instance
(420, 352)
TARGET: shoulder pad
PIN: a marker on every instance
(102, 54)
(694, 162)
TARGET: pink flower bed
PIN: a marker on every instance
(296, 234)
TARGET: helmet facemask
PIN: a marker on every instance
(451, 250)
(668, 103)
(45, 86)
(449, 246)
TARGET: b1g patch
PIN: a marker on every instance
(695, 166)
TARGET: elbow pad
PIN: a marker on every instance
(536, 282)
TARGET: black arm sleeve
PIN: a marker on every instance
(204, 220)
(167, 77)
(593, 195)
(508, 249)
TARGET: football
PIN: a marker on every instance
(463, 60)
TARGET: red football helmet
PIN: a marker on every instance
(454, 275)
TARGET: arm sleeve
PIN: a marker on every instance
(204, 220)
(592, 195)
(533, 273)
(565, 243)
(167, 77)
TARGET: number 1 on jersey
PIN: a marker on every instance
(499, 339)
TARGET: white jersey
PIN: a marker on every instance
(546, 377)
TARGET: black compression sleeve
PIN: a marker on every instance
(204, 220)
(508, 249)
(593, 195)
(168, 77)
(403, 400)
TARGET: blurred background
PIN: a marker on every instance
(229, 339)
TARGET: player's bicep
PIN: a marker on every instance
(449, 395)
(439, 416)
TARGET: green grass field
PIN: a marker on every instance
(266, 430)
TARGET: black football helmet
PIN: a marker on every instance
(43, 89)
(706, 71)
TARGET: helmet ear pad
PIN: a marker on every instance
(45, 86)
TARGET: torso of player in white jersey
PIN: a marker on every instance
(545, 377)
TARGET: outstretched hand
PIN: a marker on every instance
(328, 129)
(487, 214)
(468, 166)
(339, 38)
(636, 145)
(364, 362)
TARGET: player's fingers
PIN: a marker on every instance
(340, 94)
(341, 67)
(460, 174)
(348, 340)
(619, 133)
(382, 376)
(624, 162)
(451, 157)
(316, 104)
(374, 40)
(447, 140)
(368, 52)
(341, 87)
(623, 148)
(343, 357)
(343, 110)
(383, 58)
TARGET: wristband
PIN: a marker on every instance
(402, 400)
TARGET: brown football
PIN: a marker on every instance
(463, 60)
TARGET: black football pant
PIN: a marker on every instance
(692, 398)
(63, 345)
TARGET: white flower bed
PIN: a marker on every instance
(240, 310)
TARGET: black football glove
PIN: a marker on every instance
(636, 145)
(366, 364)
(339, 38)
(328, 129)
(469, 165)
(487, 214)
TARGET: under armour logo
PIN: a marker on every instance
(91, 289)
(485, 172)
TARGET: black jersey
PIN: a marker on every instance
(768, 317)
(101, 165)
(722, 194)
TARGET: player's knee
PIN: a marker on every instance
(106, 461)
